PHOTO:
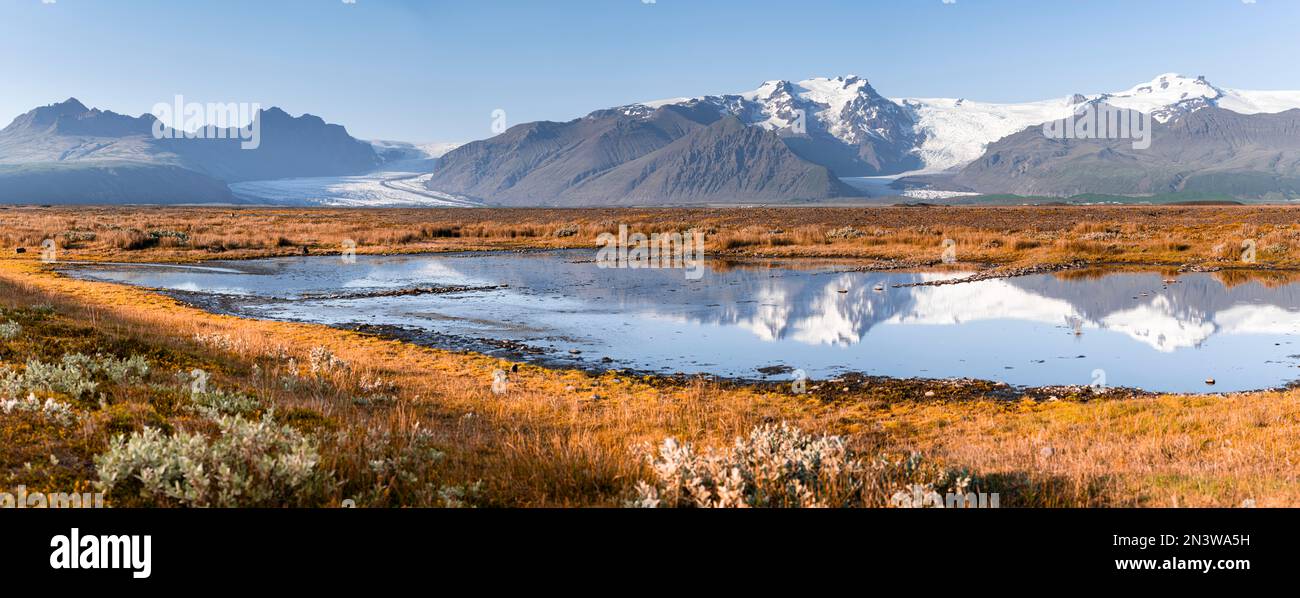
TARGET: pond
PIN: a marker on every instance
(766, 320)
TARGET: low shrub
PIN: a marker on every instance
(845, 232)
(76, 375)
(50, 410)
(250, 463)
(219, 402)
(323, 362)
(780, 466)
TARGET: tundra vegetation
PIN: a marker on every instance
(116, 389)
(1006, 236)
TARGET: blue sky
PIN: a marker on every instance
(434, 70)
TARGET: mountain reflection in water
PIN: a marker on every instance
(1036, 330)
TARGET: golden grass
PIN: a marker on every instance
(566, 438)
(1167, 451)
(547, 442)
(1206, 236)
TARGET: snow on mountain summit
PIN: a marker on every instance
(846, 107)
(830, 96)
(951, 132)
(1166, 97)
(1165, 90)
(1172, 94)
(956, 132)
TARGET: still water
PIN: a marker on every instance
(1130, 327)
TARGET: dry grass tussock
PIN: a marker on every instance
(1206, 236)
(339, 416)
(101, 386)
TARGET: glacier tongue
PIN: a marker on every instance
(955, 132)
(378, 189)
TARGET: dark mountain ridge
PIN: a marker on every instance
(68, 153)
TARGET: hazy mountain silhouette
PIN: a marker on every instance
(68, 153)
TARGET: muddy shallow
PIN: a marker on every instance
(1129, 329)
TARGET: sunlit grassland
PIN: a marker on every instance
(1201, 236)
(400, 425)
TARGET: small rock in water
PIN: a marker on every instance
(574, 352)
(1209, 381)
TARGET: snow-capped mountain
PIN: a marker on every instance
(788, 141)
(671, 155)
(1208, 151)
(1171, 95)
(945, 133)
(955, 132)
(847, 108)
(842, 122)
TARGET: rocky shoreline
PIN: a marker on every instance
(1002, 273)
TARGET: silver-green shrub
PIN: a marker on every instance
(132, 368)
(251, 463)
(74, 375)
(324, 362)
(50, 410)
(218, 402)
(66, 378)
(777, 466)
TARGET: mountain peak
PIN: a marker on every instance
(70, 105)
(1175, 86)
(845, 81)
(49, 115)
(771, 88)
(838, 91)
(1167, 97)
